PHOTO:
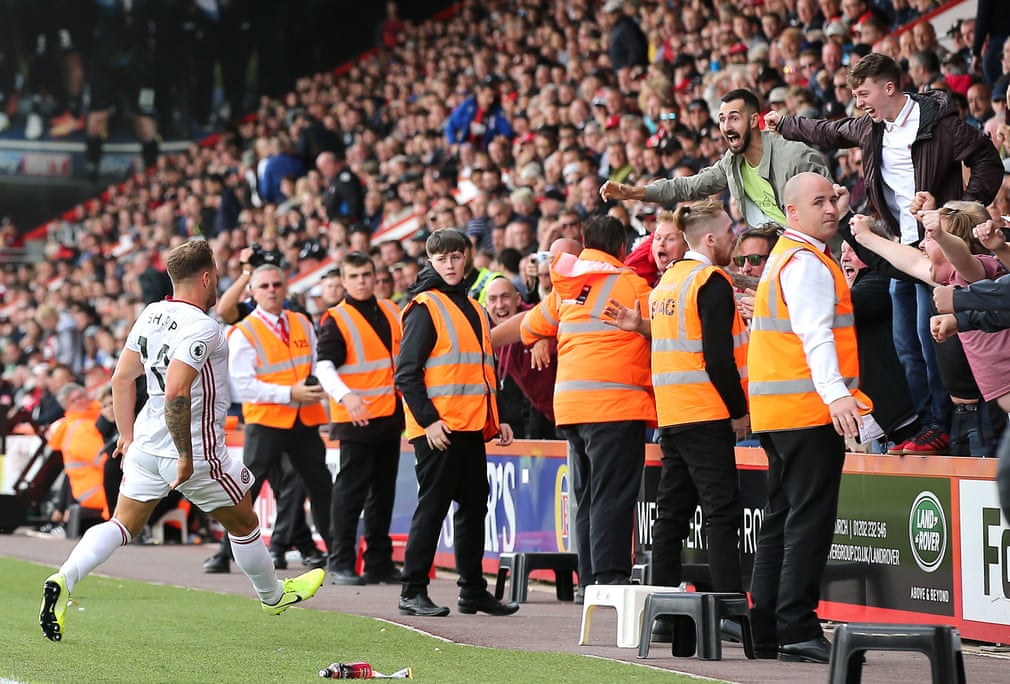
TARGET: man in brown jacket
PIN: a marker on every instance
(911, 143)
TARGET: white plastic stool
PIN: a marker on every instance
(176, 515)
(628, 599)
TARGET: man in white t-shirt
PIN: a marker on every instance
(177, 441)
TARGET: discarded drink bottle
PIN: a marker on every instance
(347, 671)
(361, 671)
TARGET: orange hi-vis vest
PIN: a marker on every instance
(684, 391)
(603, 373)
(80, 444)
(459, 373)
(280, 364)
(782, 394)
(368, 368)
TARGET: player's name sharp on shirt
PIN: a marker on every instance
(174, 330)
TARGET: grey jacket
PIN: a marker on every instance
(984, 305)
(781, 160)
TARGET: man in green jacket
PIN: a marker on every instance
(755, 169)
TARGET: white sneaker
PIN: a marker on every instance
(49, 531)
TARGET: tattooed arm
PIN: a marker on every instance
(178, 415)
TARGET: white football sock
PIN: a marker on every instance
(252, 557)
(95, 547)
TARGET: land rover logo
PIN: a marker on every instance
(927, 531)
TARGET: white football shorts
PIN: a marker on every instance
(214, 484)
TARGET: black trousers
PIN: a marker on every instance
(457, 474)
(804, 474)
(264, 447)
(607, 464)
(367, 480)
(699, 464)
(290, 526)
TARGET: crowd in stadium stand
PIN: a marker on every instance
(502, 120)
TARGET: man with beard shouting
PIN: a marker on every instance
(755, 168)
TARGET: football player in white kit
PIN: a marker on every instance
(177, 441)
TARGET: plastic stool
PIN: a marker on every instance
(697, 617)
(176, 515)
(628, 599)
(517, 566)
(940, 643)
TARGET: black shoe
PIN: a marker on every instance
(421, 605)
(662, 631)
(485, 603)
(731, 630)
(280, 561)
(313, 559)
(345, 577)
(817, 650)
(580, 596)
(217, 564)
(766, 651)
(391, 576)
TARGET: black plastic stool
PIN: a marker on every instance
(696, 618)
(940, 643)
(519, 565)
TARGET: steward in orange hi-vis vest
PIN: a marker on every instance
(368, 368)
(459, 373)
(603, 372)
(80, 443)
(782, 394)
(684, 391)
(280, 364)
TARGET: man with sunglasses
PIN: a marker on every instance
(291, 530)
(753, 247)
(271, 366)
(754, 169)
